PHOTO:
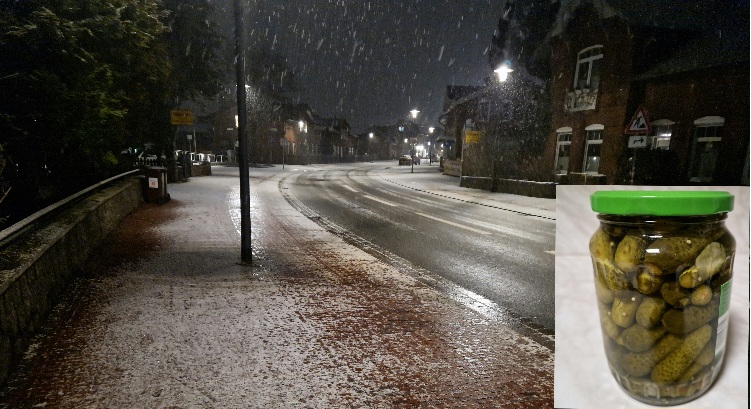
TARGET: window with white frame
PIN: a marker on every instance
(662, 131)
(588, 68)
(563, 150)
(705, 148)
(592, 149)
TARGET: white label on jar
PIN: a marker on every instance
(722, 322)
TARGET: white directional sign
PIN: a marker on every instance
(637, 141)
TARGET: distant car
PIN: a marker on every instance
(405, 160)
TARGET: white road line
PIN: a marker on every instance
(379, 200)
(453, 224)
(351, 189)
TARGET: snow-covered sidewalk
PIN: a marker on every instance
(166, 316)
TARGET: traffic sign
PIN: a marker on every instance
(639, 124)
(471, 136)
(637, 141)
(181, 117)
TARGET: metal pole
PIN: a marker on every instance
(246, 253)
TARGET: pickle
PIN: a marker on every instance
(601, 246)
(604, 295)
(675, 295)
(607, 324)
(706, 356)
(702, 295)
(642, 363)
(676, 363)
(645, 281)
(692, 370)
(708, 263)
(669, 253)
(637, 338)
(613, 278)
(650, 311)
(624, 310)
(629, 252)
(688, 319)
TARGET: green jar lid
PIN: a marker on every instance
(661, 202)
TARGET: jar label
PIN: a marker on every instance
(722, 322)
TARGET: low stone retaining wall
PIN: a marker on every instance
(452, 167)
(204, 169)
(517, 187)
(36, 266)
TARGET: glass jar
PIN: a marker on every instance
(663, 271)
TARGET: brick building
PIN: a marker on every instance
(691, 78)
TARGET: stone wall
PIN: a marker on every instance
(452, 167)
(36, 266)
(517, 187)
(204, 169)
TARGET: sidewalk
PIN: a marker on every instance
(427, 178)
(166, 316)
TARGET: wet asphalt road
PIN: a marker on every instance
(503, 256)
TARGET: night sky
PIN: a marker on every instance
(371, 62)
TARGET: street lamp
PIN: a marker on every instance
(503, 70)
(414, 113)
(430, 154)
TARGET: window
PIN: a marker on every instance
(705, 149)
(662, 131)
(592, 149)
(588, 68)
(563, 150)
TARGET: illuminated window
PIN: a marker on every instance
(563, 150)
(588, 68)
(705, 149)
(592, 149)
(662, 131)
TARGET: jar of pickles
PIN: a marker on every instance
(662, 271)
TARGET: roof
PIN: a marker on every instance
(704, 34)
(715, 49)
(456, 92)
(673, 14)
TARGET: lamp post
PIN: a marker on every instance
(412, 152)
(370, 141)
(246, 253)
(430, 153)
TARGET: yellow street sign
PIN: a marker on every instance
(181, 117)
(472, 136)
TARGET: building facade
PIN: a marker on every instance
(693, 85)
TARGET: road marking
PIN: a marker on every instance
(351, 189)
(453, 224)
(550, 252)
(380, 200)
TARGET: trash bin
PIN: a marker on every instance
(156, 185)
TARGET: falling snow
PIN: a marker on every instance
(345, 65)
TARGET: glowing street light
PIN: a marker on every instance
(503, 71)
(370, 135)
(414, 113)
(431, 129)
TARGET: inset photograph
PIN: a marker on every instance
(651, 297)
